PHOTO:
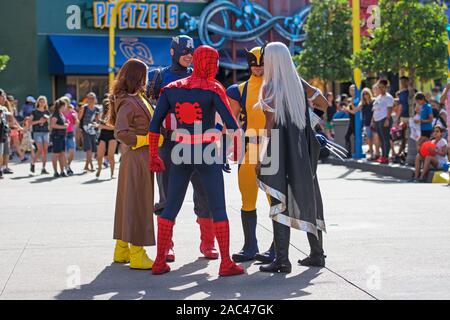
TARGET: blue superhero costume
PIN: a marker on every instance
(158, 79)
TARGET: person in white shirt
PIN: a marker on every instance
(382, 116)
(438, 161)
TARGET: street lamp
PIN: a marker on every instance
(112, 38)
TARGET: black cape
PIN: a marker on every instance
(294, 189)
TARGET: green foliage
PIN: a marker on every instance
(3, 61)
(412, 36)
(328, 48)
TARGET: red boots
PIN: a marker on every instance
(207, 241)
(165, 232)
(207, 238)
(227, 266)
(222, 232)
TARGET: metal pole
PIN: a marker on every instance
(358, 79)
(112, 39)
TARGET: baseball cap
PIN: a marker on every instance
(30, 99)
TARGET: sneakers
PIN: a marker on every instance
(56, 175)
(63, 174)
(32, 168)
(383, 160)
(43, 171)
(69, 171)
(7, 171)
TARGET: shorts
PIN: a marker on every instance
(70, 142)
(6, 147)
(426, 133)
(329, 125)
(41, 137)
(59, 144)
(443, 165)
(106, 136)
(369, 132)
(89, 142)
(2, 147)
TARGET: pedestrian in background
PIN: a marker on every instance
(436, 159)
(59, 127)
(28, 107)
(366, 108)
(107, 143)
(331, 111)
(41, 133)
(426, 118)
(72, 120)
(445, 100)
(89, 116)
(382, 116)
(16, 130)
(7, 133)
(4, 127)
(27, 143)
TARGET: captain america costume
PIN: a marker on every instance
(160, 78)
(195, 101)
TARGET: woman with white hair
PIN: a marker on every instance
(293, 188)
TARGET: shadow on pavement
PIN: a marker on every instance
(95, 181)
(46, 179)
(119, 282)
(23, 177)
(379, 180)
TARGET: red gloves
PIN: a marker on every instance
(156, 164)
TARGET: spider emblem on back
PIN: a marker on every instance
(188, 113)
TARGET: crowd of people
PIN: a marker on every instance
(36, 128)
(388, 126)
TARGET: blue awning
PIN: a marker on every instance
(90, 54)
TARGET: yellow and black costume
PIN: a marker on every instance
(253, 122)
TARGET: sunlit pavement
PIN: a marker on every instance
(386, 239)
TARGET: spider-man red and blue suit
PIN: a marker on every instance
(194, 101)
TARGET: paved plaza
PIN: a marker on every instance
(387, 239)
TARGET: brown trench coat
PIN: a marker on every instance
(134, 205)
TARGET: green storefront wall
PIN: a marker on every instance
(24, 29)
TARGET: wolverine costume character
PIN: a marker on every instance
(243, 98)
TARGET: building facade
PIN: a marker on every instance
(59, 47)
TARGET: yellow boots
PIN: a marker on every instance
(121, 252)
(136, 256)
(139, 258)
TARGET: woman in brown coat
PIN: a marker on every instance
(131, 113)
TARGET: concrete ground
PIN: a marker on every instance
(387, 239)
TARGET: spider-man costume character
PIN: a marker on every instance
(244, 96)
(195, 101)
(159, 78)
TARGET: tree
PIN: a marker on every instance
(3, 61)
(412, 36)
(327, 49)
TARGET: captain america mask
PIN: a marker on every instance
(182, 50)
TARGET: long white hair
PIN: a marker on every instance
(282, 89)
